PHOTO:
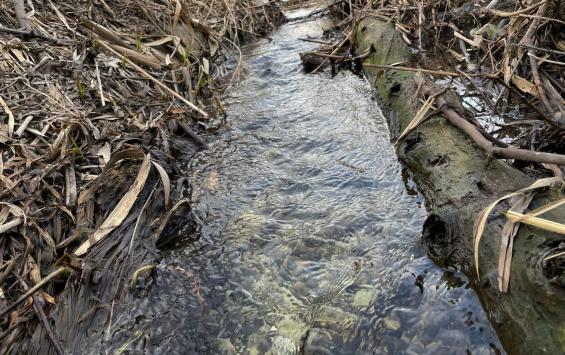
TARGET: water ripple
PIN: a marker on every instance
(308, 240)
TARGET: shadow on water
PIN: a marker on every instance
(307, 239)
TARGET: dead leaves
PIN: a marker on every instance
(11, 121)
(74, 115)
(121, 211)
(17, 214)
(420, 117)
(88, 192)
(521, 200)
(519, 204)
(524, 85)
(166, 183)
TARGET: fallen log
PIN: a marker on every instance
(458, 177)
(497, 152)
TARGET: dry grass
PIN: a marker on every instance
(89, 90)
(518, 49)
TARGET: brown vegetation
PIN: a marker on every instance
(509, 54)
(97, 99)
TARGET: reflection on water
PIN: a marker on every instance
(308, 240)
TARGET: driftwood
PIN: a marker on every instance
(311, 61)
(186, 128)
(456, 169)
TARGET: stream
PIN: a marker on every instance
(308, 236)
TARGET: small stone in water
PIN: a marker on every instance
(363, 298)
(283, 346)
(225, 346)
(319, 341)
(392, 324)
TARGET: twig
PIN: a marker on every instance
(315, 41)
(27, 34)
(99, 84)
(544, 18)
(417, 70)
(541, 223)
(38, 308)
(527, 46)
(329, 56)
(107, 337)
(365, 54)
(103, 32)
(192, 135)
(34, 289)
(11, 265)
(543, 60)
(333, 52)
(516, 13)
(9, 225)
(138, 57)
(23, 126)
(539, 86)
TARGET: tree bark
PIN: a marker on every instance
(458, 178)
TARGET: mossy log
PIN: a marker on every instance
(458, 180)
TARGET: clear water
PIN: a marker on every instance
(308, 237)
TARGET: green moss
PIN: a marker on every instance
(389, 48)
(459, 179)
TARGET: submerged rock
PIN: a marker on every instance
(363, 298)
(283, 346)
(318, 342)
(225, 346)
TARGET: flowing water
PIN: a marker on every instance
(308, 235)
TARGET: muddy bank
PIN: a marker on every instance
(458, 180)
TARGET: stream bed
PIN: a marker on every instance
(308, 236)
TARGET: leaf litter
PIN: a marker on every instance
(97, 99)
